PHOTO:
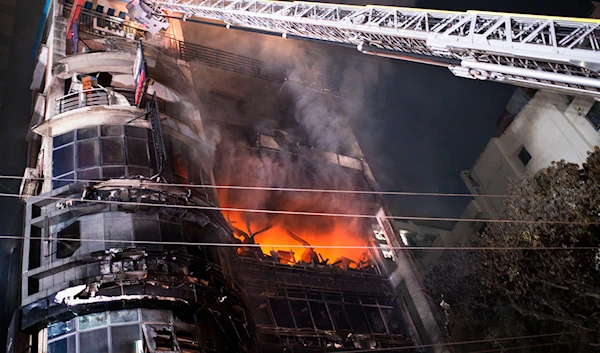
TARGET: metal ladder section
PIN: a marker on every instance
(101, 25)
(556, 53)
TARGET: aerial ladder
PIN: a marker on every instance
(543, 52)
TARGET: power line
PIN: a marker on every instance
(460, 343)
(307, 213)
(241, 245)
(528, 346)
(308, 190)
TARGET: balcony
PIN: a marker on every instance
(95, 97)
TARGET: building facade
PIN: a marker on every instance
(125, 247)
(550, 127)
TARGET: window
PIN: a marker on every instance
(66, 248)
(112, 151)
(114, 332)
(593, 116)
(524, 155)
(63, 160)
(98, 152)
(87, 154)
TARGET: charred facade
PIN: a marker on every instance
(127, 248)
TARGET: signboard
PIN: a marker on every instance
(140, 75)
(73, 16)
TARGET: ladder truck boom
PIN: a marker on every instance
(545, 52)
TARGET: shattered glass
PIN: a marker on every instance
(121, 316)
(92, 321)
(60, 328)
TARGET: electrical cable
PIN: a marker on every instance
(392, 349)
(241, 245)
(307, 213)
(522, 347)
(310, 190)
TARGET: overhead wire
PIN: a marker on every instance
(242, 245)
(523, 347)
(285, 189)
(459, 343)
(308, 213)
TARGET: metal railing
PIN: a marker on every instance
(94, 97)
(98, 24)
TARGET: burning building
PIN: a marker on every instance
(139, 239)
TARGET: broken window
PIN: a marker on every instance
(159, 338)
(394, 321)
(125, 338)
(375, 320)
(339, 316)
(122, 316)
(281, 311)
(357, 318)
(92, 321)
(66, 248)
(260, 310)
(320, 315)
(187, 342)
(301, 313)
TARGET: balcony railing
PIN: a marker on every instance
(94, 97)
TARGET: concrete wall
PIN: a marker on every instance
(550, 128)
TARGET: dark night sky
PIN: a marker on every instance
(426, 125)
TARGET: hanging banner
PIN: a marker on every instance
(140, 75)
(73, 16)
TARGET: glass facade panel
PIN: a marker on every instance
(87, 133)
(65, 345)
(63, 180)
(156, 316)
(94, 341)
(134, 131)
(111, 130)
(122, 316)
(89, 174)
(88, 154)
(125, 339)
(60, 328)
(134, 171)
(137, 152)
(92, 321)
(63, 160)
(112, 151)
(113, 172)
(63, 139)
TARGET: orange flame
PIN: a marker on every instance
(277, 232)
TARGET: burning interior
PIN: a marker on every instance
(294, 239)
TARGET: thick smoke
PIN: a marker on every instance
(327, 89)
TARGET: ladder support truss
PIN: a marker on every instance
(561, 54)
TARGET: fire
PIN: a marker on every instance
(294, 239)
(283, 234)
